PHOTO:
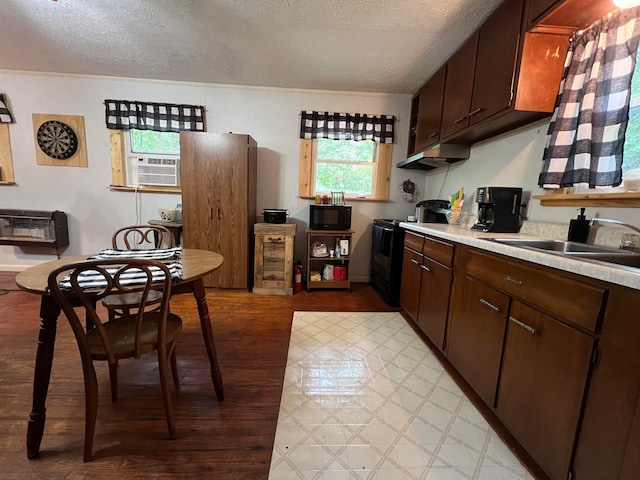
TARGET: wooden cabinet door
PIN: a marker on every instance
(214, 172)
(410, 285)
(458, 88)
(430, 110)
(434, 300)
(476, 335)
(498, 43)
(542, 384)
(537, 8)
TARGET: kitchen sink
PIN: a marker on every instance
(576, 250)
(554, 245)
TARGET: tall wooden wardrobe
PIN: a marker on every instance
(218, 176)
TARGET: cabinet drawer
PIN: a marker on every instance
(439, 251)
(562, 296)
(413, 241)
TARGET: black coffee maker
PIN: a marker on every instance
(498, 209)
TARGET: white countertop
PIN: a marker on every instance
(619, 274)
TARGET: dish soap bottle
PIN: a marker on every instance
(579, 228)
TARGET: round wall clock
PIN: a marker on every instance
(57, 139)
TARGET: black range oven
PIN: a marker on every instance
(386, 259)
(387, 247)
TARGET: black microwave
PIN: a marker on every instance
(329, 217)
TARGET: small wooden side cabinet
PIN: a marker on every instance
(274, 258)
(34, 228)
(337, 242)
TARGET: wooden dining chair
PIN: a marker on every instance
(83, 284)
(136, 237)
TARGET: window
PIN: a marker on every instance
(586, 149)
(348, 152)
(344, 166)
(632, 138)
(145, 143)
(360, 169)
(148, 141)
(152, 159)
(6, 161)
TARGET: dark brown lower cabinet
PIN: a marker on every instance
(609, 442)
(555, 355)
(426, 284)
(410, 287)
(434, 300)
(543, 378)
(476, 333)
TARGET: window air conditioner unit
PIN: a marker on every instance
(155, 171)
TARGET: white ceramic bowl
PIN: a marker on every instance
(168, 215)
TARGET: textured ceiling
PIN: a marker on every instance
(387, 46)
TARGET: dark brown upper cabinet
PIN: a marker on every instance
(459, 88)
(538, 9)
(570, 15)
(501, 78)
(426, 111)
(516, 76)
(498, 43)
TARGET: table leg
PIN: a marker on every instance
(207, 333)
(49, 312)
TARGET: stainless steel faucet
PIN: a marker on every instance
(618, 222)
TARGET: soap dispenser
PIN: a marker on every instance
(579, 228)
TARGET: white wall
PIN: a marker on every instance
(512, 160)
(271, 116)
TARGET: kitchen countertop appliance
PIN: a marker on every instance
(498, 209)
(387, 248)
(432, 211)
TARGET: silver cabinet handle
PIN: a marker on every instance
(489, 304)
(433, 134)
(424, 267)
(513, 280)
(531, 330)
(413, 260)
(475, 112)
(461, 119)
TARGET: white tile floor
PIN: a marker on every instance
(364, 398)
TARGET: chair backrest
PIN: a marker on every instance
(142, 236)
(84, 284)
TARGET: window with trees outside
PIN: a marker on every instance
(145, 160)
(632, 137)
(345, 166)
(360, 169)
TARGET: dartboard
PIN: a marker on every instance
(57, 139)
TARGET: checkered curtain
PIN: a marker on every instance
(347, 126)
(159, 117)
(586, 136)
(5, 114)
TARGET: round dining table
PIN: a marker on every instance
(195, 265)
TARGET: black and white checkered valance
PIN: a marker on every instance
(347, 126)
(5, 114)
(586, 135)
(159, 117)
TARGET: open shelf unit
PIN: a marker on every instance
(317, 264)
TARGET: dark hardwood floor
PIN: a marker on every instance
(232, 439)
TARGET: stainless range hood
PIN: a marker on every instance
(436, 156)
